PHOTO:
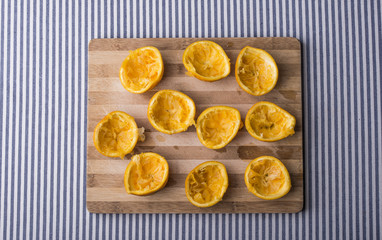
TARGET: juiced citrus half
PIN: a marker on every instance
(146, 173)
(256, 71)
(206, 61)
(116, 134)
(267, 178)
(170, 111)
(206, 184)
(141, 70)
(217, 126)
(268, 122)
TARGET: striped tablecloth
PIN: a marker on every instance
(43, 68)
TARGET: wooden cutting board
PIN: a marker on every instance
(183, 151)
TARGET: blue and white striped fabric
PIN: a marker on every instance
(43, 68)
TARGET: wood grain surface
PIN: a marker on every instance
(183, 151)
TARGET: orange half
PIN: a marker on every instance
(267, 178)
(206, 184)
(268, 122)
(146, 173)
(171, 111)
(217, 126)
(141, 70)
(256, 71)
(116, 134)
(206, 61)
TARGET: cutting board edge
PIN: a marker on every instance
(95, 40)
(300, 207)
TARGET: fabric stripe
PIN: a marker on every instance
(43, 135)
(2, 112)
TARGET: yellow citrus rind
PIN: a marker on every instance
(268, 122)
(146, 173)
(141, 70)
(171, 111)
(206, 184)
(256, 71)
(267, 178)
(206, 60)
